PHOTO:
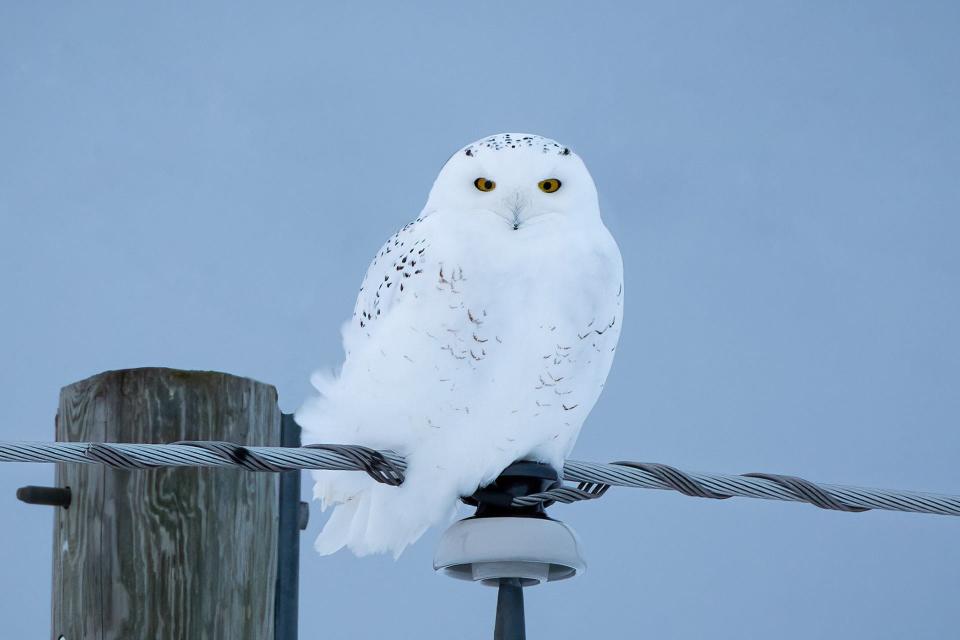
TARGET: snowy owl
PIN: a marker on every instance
(483, 334)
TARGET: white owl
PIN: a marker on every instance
(483, 334)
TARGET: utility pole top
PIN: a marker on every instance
(167, 552)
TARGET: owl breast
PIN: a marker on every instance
(509, 332)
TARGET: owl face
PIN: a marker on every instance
(516, 179)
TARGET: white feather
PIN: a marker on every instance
(483, 334)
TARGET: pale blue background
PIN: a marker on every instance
(201, 186)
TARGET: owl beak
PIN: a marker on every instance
(514, 205)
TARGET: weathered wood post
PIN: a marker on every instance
(179, 553)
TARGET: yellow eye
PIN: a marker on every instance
(484, 184)
(549, 185)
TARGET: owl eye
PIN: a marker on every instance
(484, 184)
(549, 185)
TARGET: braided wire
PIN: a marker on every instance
(383, 466)
(594, 479)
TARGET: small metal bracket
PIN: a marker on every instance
(292, 520)
(303, 516)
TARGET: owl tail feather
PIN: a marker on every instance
(369, 517)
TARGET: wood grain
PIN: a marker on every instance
(166, 553)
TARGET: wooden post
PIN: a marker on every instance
(166, 553)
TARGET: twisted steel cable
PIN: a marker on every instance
(765, 486)
(593, 478)
(382, 466)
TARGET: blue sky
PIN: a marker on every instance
(201, 185)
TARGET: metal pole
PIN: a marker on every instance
(292, 520)
(510, 624)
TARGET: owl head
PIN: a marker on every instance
(517, 179)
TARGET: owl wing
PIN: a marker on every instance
(399, 261)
